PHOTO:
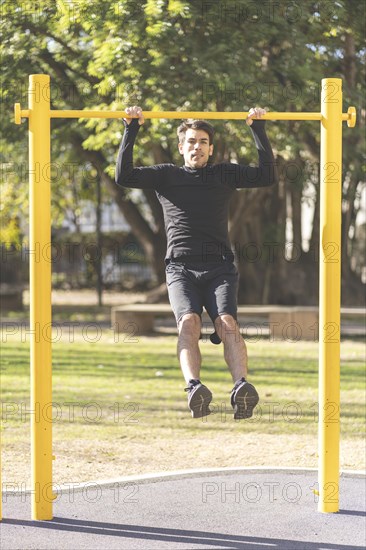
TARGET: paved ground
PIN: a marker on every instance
(226, 509)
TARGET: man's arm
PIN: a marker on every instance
(126, 175)
(263, 175)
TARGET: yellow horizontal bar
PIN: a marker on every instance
(225, 115)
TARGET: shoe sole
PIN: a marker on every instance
(200, 401)
(245, 401)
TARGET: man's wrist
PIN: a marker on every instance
(257, 123)
(133, 124)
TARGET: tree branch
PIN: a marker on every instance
(156, 211)
(41, 31)
(133, 216)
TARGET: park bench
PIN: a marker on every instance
(284, 322)
(11, 297)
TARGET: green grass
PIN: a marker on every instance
(103, 386)
(66, 312)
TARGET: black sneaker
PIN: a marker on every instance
(199, 398)
(244, 398)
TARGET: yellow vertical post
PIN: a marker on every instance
(1, 482)
(40, 294)
(329, 292)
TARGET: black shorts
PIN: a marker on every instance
(213, 286)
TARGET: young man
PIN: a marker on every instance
(200, 270)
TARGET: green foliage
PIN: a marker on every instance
(176, 54)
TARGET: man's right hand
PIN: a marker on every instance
(134, 111)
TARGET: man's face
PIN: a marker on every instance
(195, 148)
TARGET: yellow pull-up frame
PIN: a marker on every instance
(40, 114)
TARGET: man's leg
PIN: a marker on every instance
(185, 296)
(244, 396)
(221, 304)
(235, 350)
(199, 396)
(188, 350)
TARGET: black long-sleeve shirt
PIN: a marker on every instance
(195, 202)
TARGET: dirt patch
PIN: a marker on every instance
(90, 460)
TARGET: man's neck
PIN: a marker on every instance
(196, 167)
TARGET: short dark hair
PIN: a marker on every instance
(195, 125)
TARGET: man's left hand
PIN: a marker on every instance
(254, 113)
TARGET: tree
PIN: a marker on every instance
(175, 54)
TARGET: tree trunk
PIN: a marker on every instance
(99, 257)
(295, 190)
(150, 240)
